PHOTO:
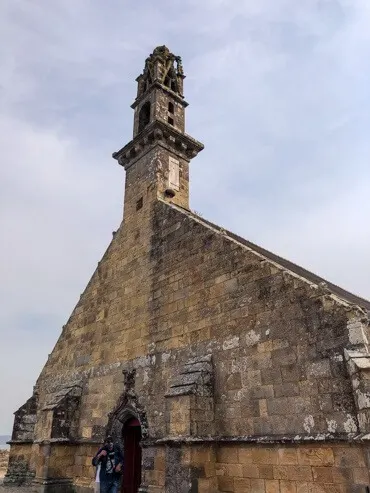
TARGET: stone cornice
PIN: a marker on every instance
(158, 85)
(194, 440)
(19, 442)
(265, 439)
(158, 133)
(65, 441)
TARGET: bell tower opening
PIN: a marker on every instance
(144, 116)
(131, 436)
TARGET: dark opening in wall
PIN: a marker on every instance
(170, 120)
(170, 83)
(171, 107)
(144, 116)
(139, 203)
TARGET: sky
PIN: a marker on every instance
(278, 93)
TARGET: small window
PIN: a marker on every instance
(171, 107)
(139, 204)
(170, 120)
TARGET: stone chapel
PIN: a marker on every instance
(215, 364)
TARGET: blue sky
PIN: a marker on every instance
(278, 93)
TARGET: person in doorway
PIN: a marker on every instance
(110, 459)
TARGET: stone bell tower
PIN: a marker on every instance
(157, 159)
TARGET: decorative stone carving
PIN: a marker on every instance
(164, 67)
(129, 381)
(128, 406)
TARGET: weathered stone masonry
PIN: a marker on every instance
(246, 372)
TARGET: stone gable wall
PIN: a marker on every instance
(170, 289)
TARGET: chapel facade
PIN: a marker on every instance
(217, 365)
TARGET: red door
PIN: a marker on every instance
(132, 456)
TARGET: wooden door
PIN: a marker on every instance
(132, 456)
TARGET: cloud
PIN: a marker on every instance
(278, 92)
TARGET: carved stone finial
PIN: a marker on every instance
(180, 68)
(164, 67)
(161, 51)
(129, 380)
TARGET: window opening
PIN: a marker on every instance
(144, 116)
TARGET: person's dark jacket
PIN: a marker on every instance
(118, 459)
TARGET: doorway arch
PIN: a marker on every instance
(131, 437)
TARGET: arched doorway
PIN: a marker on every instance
(131, 436)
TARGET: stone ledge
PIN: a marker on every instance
(265, 439)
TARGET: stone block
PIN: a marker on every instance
(292, 373)
(242, 485)
(271, 376)
(361, 475)
(323, 474)
(263, 407)
(302, 487)
(233, 470)
(287, 456)
(262, 392)
(204, 485)
(251, 471)
(264, 455)
(289, 405)
(258, 485)
(315, 456)
(293, 473)
(287, 389)
(341, 474)
(272, 486)
(225, 484)
(349, 457)
(245, 455)
(288, 487)
(283, 357)
(266, 471)
(228, 455)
